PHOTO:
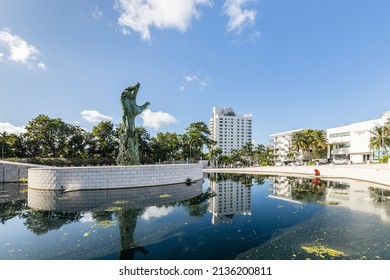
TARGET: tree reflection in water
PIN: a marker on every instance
(41, 222)
(246, 180)
(306, 189)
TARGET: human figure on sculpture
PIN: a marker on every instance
(130, 109)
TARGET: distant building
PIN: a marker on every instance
(352, 141)
(349, 141)
(229, 130)
(281, 143)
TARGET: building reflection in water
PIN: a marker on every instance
(355, 195)
(231, 197)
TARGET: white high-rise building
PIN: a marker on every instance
(229, 130)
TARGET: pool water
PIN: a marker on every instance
(224, 216)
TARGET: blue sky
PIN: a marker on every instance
(292, 64)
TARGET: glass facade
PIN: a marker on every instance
(341, 134)
(379, 153)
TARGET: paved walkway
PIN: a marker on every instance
(375, 173)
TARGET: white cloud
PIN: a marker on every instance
(87, 218)
(97, 14)
(194, 79)
(15, 49)
(93, 116)
(41, 65)
(9, 128)
(238, 16)
(251, 38)
(141, 15)
(156, 120)
(155, 212)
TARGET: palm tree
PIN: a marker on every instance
(248, 152)
(300, 142)
(380, 137)
(319, 140)
(292, 156)
(214, 154)
(259, 151)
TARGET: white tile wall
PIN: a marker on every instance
(107, 177)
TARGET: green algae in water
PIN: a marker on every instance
(120, 202)
(323, 251)
(113, 209)
(328, 202)
(104, 224)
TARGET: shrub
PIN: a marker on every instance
(384, 159)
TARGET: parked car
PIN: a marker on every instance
(321, 161)
(297, 163)
(340, 161)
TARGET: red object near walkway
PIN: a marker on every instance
(316, 172)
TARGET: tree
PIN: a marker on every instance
(248, 153)
(300, 142)
(292, 156)
(225, 160)
(76, 143)
(199, 136)
(319, 142)
(145, 150)
(268, 156)
(106, 143)
(380, 137)
(259, 151)
(165, 146)
(46, 137)
(3, 141)
(214, 153)
(16, 145)
(307, 141)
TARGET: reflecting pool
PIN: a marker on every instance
(225, 216)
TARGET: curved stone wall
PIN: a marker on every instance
(111, 177)
(13, 172)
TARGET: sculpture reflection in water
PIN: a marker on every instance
(54, 209)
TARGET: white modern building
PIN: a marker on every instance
(349, 141)
(352, 141)
(229, 130)
(281, 143)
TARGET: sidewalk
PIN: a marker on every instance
(375, 173)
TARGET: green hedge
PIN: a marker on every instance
(384, 159)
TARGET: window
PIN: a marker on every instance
(341, 134)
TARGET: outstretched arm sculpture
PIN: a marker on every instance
(130, 109)
(128, 138)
